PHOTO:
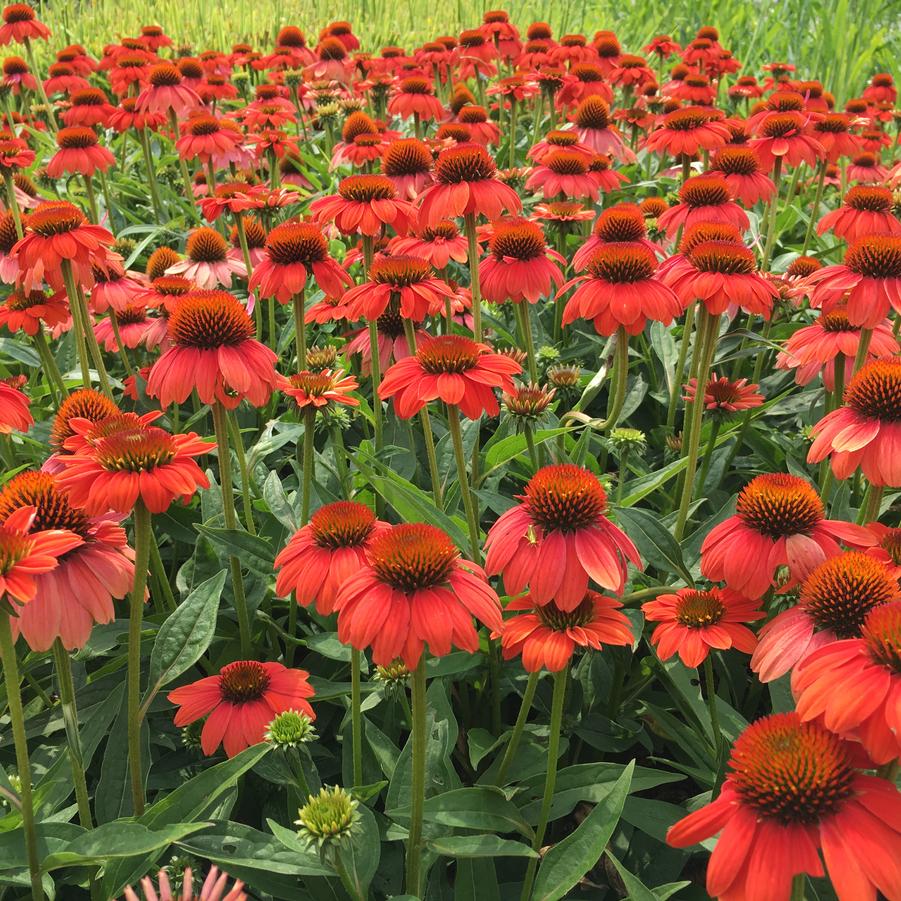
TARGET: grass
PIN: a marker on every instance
(840, 42)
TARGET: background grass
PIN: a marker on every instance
(840, 42)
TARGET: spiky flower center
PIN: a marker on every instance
(840, 592)
(699, 609)
(52, 507)
(448, 354)
(553, 617)
(559, 138)
(85, 403)
(445, 230)
(203, 125)
(779, 504)
(413, 556)
(466, 163)
(415, 84)
(723, 257)
(18, 12)
(366, 188)
(164, 75)
(20, 300)
(782, 125)
(593, 112)
(877, 256)
(621, 224)
(454, 131)
(870, 198)
(243, 681)
(561, 162)
(519, 239)
(882, 633)
(565, 498)
(209, 320)
(832, 124)
(528, 400)
(875, 391)
(473, 115)
(407, 156)
(76, 137)
(622, 263)
(802, 267)
(342, 524)
(296, 242)
(124, 444)
(9, 236)
(737, 161)
(88, 97)
(14, 65)
(785, 101)
(696, 235)
(206, 245)
(687, 119)
(356, 124)
(328, 816)
(792, 772)
(704, 190)
(332, 49)
(55, 217)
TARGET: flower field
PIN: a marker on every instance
(458, 464)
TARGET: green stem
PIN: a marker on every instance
(863, 348)
(356, 716)
(123, 356)
(20, 740)
(869, 511)
(518, 727)
(29, 51)
(243, 471)
(417, 786)
(78, 327)
(70, 718)
(771, 217)
(136, 612)
(300, 330)
(719, 743)
(799, 883)
(708, 327)
(12, 202)
(550, 781)
(472, 520)
(92, 199)
(679, 374)
(183, 166)
(54, 376)
(340, 454)
(708, 452)
(524, 321)
(529, 435)
(514, 112)
(472, 259)
(162, 577)
(817, 199)
(151, 174)
(309, 462)
(231, 522)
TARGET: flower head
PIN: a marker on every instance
(327, 817)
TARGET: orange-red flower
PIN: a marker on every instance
(319, 389)
(414, 96)
(117, 461)
(779, 521)
(240, 702)
(546, 636)
(14, 413)
(686, 131)
(854, 686)
(519, 264)
(792, 792)
(80, 590)
(406, 281)
(723, 396)
(415, 591)
(437, 245)
(866, 430)
(322, 555)
(703, 198)
(21, 24)
(28, 311)
(867, 210)
(558, 538)
(213, 351)
(166, 91)
(694, 622)
(740, 166)
(365, 204)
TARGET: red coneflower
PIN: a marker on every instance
(21, 24)
(408, 281)
(80, 590)
(688, 130)
(89, 108)
(740, 167)
(240, 702)
(133, 326)
(365, 204)
(55, 231)
(14, 413)
(854, 686)
(414, 96)
(437, 245)
(779, 522)
(320, 557)
(867, 210)
(233, 197)
(783, 136)
(563, 173)
(86, 403)
(867, 170)
(482, 129)
(466, 184)
(29, 311)
(621, 289)
(694, 622)
(17, 76)
(619, 224)
(79, 152)
(208, 263)
(833, 603)
(203, 137)
(319, 389)
(452, 368)
(887, 549)
(166, 91)
(293, 252)
(866, 430)
(559, 140)
(562, 212)
(518, 266)
(724, 396)
(213, 352)
(869, 280)
(833, 131)
(407, 164)
(592, 123)
(722, 274)
(792, 791)
(558, 538)
(113, 463)
(814, 349)
(703, 198)
(415, 591)
(547, 637)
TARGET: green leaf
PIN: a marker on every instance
(185, 635)
(468, 846)
(481, 808)
(654, 541)
(360, 856)
(568, 861)
(637, 890)
(254, 552)
(510, 448)
(121, 838)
